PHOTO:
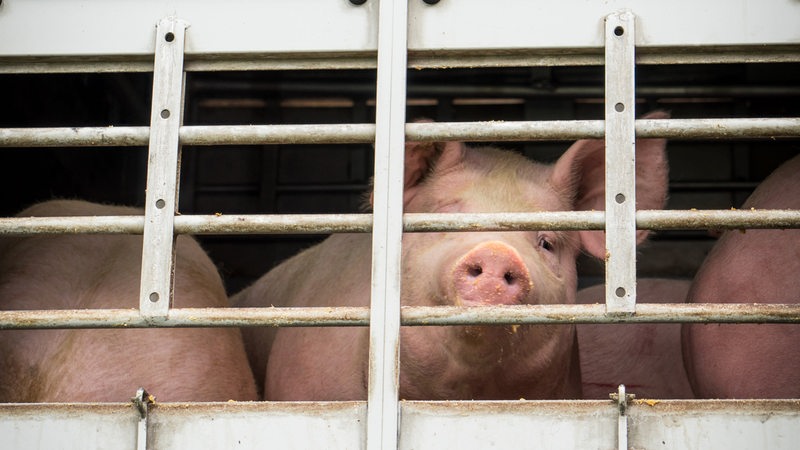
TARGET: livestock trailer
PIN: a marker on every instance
(257, 126)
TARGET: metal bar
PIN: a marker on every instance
(412, 222)
(622, 418)
(428, 59)
(553, 130)
(723, 219)
(383, 409)
(280, 134)
(142, 402)
(158, 251)
(620, 160)
(410, 316)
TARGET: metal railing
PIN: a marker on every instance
(159, 224)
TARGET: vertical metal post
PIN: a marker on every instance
(158, 253)
(620, 164)
(622, 399)
(142, 402)
(384, 338)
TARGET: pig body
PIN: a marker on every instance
(645, 357)
(103, 271)
(466, 269)
(756, 266)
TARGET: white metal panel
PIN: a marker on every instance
(708, 424)
(508, 425)
(91, 27)
(514, 24)
(247, 34)
(68, 427)
(673, 424)
(258, 426)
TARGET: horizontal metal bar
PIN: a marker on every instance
(417, 59)
(416, 316)
(279, 134)
(284, 224)
(413, 222)
(21, 226)
(718, 219)
(75, 137)
(365, 133)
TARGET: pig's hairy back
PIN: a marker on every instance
(103, 271)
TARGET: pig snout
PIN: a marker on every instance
(492, 273)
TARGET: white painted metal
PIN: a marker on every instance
(141, 403)
(387, 231)
(68, 426)
(513, 24)
(673, 424)
(162, 171)
(87, 28)
(622, 419)
(68, 35)
(706, 424)
(620, 203)
(258, 426)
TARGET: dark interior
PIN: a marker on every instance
(332, 178)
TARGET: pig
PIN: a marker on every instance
(756, 266)
(645, 357)
(109, 365)
(448, 268)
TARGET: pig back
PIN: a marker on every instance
(103, 271)
(753, 266)
(645, 357)
(335, 272)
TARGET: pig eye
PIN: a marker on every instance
(546, 244)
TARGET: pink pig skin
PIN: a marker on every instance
(469, 269)
(756, 266)
(103, 271)
(645, 357)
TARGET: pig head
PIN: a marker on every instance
(452, 268)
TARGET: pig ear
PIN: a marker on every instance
(580, 174)
(421, 157)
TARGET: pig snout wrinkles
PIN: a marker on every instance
(491, 273)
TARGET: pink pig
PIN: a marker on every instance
(103, 271)
(645, 357)
(467, 269)
(756, 266)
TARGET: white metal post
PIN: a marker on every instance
(387, 231)
(620, 164)
(163, 163)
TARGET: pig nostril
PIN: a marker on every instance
(510, 278)
(475, 271)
